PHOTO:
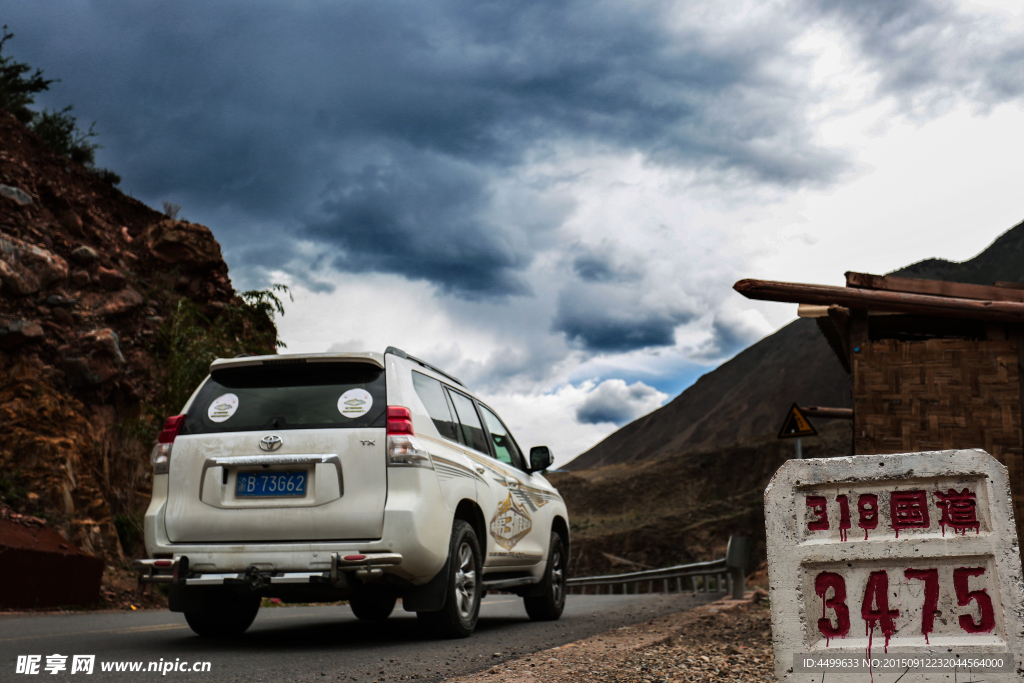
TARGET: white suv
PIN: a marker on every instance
(364, 477)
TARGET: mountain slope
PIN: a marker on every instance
(750, 394)
(1002, 261)
(745, 396)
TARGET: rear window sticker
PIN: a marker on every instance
(355, 403)
(222, 407)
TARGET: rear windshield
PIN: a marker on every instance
(292, 396)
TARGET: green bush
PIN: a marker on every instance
(17, 90)
(107, 176)
(58, 129)
(130, 530)
(12, 489)
(189, 341)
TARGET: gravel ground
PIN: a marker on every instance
(725, 642)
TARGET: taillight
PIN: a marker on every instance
(399, 421)
(403, 451)
(161, 455)
(171, 429)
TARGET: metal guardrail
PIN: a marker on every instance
(728, 575)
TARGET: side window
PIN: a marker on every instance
(469, 423)
(432, 395)
(504, 445)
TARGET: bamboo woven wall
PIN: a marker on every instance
(940, 394)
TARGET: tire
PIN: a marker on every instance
(225, 615)
(458, 617)
(372, 604)
(549, 605)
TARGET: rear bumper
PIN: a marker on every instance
(363, 566)
(417, 529)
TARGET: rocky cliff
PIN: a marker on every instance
(89, 279)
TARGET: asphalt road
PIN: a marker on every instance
(312, 643)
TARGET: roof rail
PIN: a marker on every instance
(402, 354)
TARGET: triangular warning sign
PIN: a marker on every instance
(796, 424)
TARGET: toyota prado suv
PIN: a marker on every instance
(364, 477)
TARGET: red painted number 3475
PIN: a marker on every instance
(874, 609)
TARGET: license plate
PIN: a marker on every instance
(264, 484)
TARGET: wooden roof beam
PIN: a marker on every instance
(958, 290)
(882, 300)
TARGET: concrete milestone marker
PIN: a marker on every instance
(890, 565)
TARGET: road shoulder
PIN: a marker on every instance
(726, 639)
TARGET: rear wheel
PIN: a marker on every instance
(458, 617)
(372, 604)
(549, 605)
(224, 615)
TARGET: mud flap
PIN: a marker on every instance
(430, 596)
(535, 590)
(190, 598)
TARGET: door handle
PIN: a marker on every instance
(480, 470)
(511, 483)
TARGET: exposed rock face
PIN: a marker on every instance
(108, 305)
(26, 268)
(17, 333)
(52, 446)
(15, 195)
(93, 360)
(178, 242)
(110, 278)
(76, 345)
(84, 255)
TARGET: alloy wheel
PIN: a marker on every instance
(465, 581)
(557, 575)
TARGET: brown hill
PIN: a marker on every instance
(680, 507)
(750, 394)
(89, 279)
(1002, 261)
(744, 397)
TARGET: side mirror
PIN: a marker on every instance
(541, 458)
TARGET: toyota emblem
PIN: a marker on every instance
(270, 443)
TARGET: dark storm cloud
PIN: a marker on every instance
(613, 401)
(373, 128)
(601, 265)
(729, 336)
(614, 332)
(611, 318)
(930, 53)
(423, 218)
(378, 129)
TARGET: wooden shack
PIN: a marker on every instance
(935, 365)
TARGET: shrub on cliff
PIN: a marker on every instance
(190, 341)
(16, 89)
(58, 129)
